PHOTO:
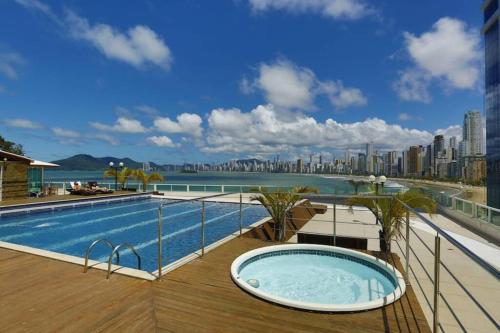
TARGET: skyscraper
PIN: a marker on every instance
(492, 99)
(472, 133)
(438, 145)
(369, 157)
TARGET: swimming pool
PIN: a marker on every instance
(318, 277)
(72, 229)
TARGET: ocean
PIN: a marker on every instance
(328, 184)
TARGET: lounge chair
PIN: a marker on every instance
(81, 190)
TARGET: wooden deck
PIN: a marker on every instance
(44, 295)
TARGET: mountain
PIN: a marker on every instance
(91, 163)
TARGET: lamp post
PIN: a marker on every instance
(377, 181)
(112, 165)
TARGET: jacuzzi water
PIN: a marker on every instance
(317, 280)
(71, 231)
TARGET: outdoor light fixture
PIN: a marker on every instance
(377, 181)
(112, 165)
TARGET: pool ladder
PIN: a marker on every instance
(114, 251)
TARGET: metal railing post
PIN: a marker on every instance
(241, 214)
(334, 224)
(437, 264)
(407, 250)
(160, 248)
(202, 228)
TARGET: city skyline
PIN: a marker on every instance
(152, 86)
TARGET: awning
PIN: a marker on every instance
(41, 164)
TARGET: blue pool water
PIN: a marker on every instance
(320, 279)
(71, 231)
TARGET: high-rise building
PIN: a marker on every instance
(472, 133)
(453, 142)
(300, 165)
(438, 145)
(369, 158)
(492, 99)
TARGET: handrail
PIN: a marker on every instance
(478, 260)
(160, 224)
(94, 243)
(115, 250)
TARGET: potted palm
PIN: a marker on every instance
(278, 203)
(146, 178)
(391, 213)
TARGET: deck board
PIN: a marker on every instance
(45, 295)
(202, 297)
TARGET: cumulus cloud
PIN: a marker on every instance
(450, 53)
(161, 141)
(288, 86)
(453, 130)
(64, 133)
(139, 46)
(22, 123)
(261, 131)
(343, 97)
(336, 9)
(9, 64)
(123, 125)
(188, 123)
(413, 85)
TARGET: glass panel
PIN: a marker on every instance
(467, 208)
(197, 188)
(482, 213)
(179, 188)
(495, 217)
(214, 188)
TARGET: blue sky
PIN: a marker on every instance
(191, 81)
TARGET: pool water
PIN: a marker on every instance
(71, 231)
(319, 279)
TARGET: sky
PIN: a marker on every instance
(207, 81)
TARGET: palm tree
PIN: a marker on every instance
(357, 183)
(122, 175)
(391, 212)
(278, 203)
(145, 178)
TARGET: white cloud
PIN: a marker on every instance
(343, 97)
(139, 46)
(39, 6)
(188, 123)
(147, 109)
(9, 63)
(405, 116)
(246, 87)
(64, 133)
(413, 85)
(161, 141)
(288, 86)
(453, 130)
(106, 138)
(123, 125)
(450, 52)
(22, 123)
(337, 9)
(261, 131)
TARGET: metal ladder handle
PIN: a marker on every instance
(115, 250)
(89, 249)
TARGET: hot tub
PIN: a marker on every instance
(318, 277)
